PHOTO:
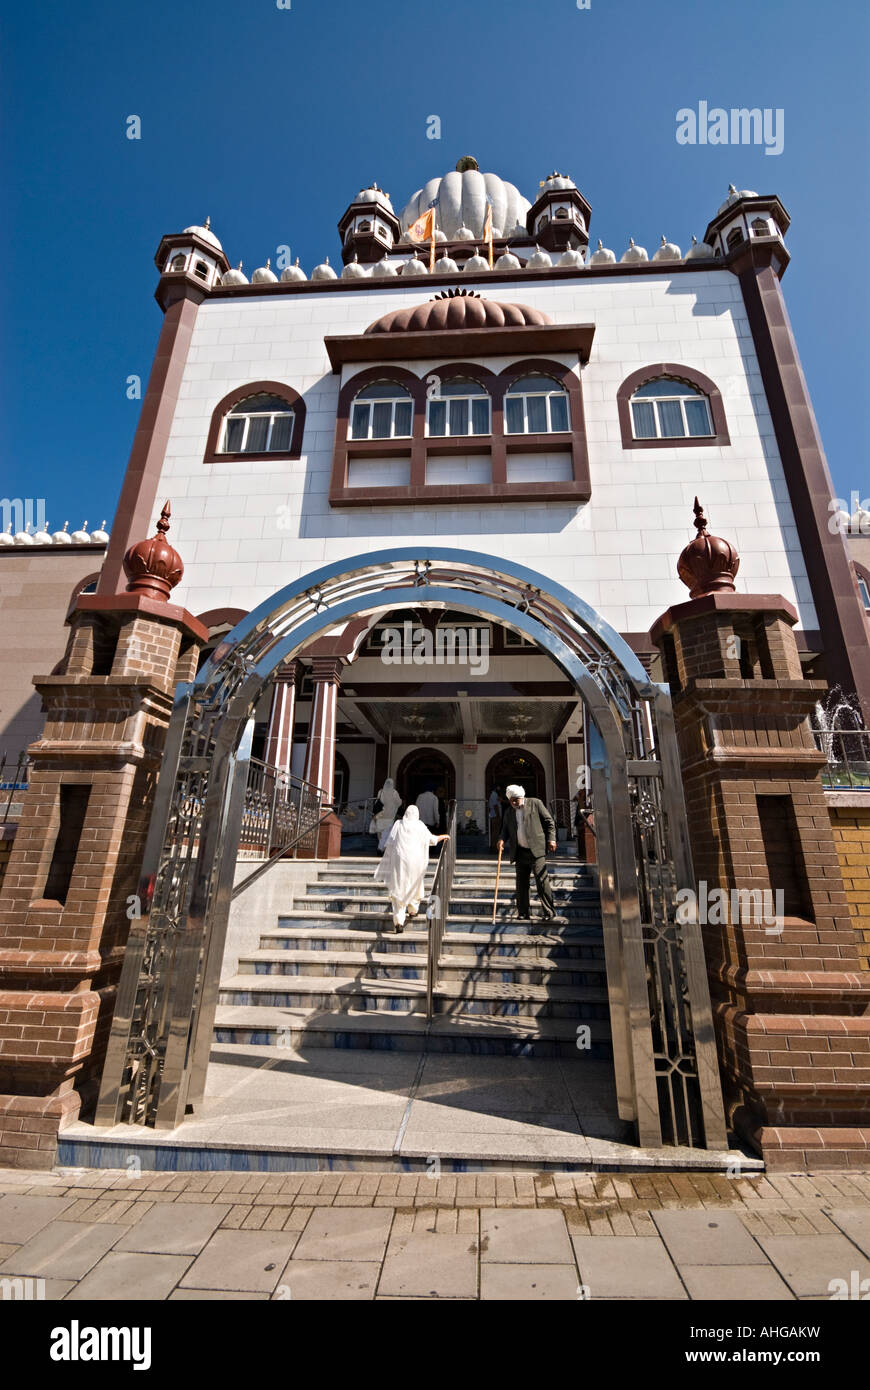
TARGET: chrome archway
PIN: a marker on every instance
(665, 1063)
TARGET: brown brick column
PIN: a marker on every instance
(69, 891)
(320, 751)
(790, 997)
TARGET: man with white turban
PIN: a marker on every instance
(403, 867)
(529, 831)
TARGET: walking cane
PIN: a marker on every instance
(497, 876)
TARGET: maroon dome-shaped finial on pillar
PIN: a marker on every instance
(154, 567)
(708, 564)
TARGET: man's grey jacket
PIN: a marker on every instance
(539, 826)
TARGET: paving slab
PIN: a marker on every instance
(64, 1249)
(175, 1228)
(132, 1276)
(428, 1115)
(517, 1235)
(707, 1237)
(809, 1264)
(27, 1288)
(752, 1283)
(201, 1295)
(325, 1280)
(345, 1233)
(528, 1145)
(627, 1267)
(854, 1222)
(22, 1216)
(251, 1260)
(529, 1283)
(426, 1264)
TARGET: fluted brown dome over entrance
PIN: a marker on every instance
(459, 309)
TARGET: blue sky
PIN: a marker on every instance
(270, 120)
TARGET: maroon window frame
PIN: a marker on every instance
(692, 377)
(241, 393)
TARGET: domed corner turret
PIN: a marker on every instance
(667, 251)
(292, 273)
(188, 259)
(746, 216)
(324, 271)
(559, 217)
(369, 227)
(264, 274)
(602, 255)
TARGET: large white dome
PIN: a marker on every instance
(460, 200)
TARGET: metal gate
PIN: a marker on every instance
(665, 1062)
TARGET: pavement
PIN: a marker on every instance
(85, 1234)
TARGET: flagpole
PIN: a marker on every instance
(432, 248)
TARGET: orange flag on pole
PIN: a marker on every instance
(487, 231)
(424, 230)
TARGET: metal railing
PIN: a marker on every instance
(439, 905)
(12, 782)
(282, 816)
(847, 753)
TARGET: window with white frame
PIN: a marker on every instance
(384, 410)
(260, 424)
(668, 409)
(536, 405)
(461, 407)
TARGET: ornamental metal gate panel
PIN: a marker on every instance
(667, 1075)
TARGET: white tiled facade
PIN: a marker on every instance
(247, 528)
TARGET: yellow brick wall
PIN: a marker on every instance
(851, 829)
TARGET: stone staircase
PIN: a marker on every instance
(331, 973)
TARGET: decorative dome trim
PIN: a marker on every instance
(708, 564)
(153, 567)
(458, 309)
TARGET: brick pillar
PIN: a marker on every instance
(279, 740)
(790, 998)
(320, 750)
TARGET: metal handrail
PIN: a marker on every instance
(281, 853)
(281, 811)
(19, 782)
(847, 753)
(439, 905)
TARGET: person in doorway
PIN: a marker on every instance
(427, 805)
(495, 814)
(529, 831)
(403, 867)
(382, 819)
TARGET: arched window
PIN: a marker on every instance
(760, 226)
(178, 262)
(260, 424)
(462, 406)
(734, 238)
(383, 410)
(668, 409)
(536, 405)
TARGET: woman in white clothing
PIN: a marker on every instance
(382, 820)
(403, 867)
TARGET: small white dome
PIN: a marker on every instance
(508, 261)
(42, 536)
(572, 258)
(264, 275)
(476, 263)
(324, 271)
(634, 253)
(859, 523)
(414, 267)
(6, 537)
(373, 194)
(82, 537)
(840, 521)
(539, 260)
(556, 181)
(354, 271)
(206, 233)
(699, 251)
(234, 277)
(463, 234)
(62, 537)
(101, 535)
(293, 272)
(384, 267)
(22, 538)
(736, 193)
(602, 256)
(667, 251)
(439, 235)
(445, 265)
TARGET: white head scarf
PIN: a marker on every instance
(389, 799)
(515, 791)
(406, 858)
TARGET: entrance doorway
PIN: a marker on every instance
(514, 765)
(427, 769)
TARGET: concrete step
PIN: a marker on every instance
(588, 929)
(474, 947)
(372, 902)
(518, 1035)
(411, 965)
